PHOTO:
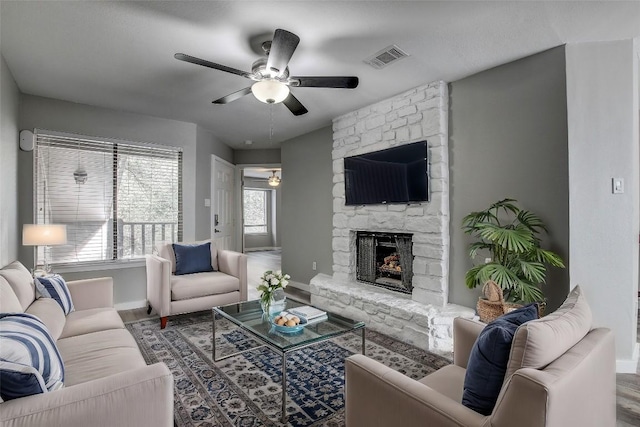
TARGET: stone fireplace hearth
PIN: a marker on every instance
(413, 305)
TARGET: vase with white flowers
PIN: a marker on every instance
(272, 298)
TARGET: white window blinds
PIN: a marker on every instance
(117, 199)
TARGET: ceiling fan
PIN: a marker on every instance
(271, 75)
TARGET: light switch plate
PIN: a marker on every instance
(617, 185)
(207, 203)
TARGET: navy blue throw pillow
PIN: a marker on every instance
(192, 258)
(489, 357)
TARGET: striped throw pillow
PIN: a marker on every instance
(55, 287)
(30, 362)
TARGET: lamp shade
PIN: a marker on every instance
(270, 91)
(44, 234)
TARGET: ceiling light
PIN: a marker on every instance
(274, 180)
(270, 91)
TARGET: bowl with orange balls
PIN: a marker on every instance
(287, 323)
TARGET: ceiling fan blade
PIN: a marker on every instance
(204, 63)
(343, 82)
(233, 96)
(283, 45)
(292, 103)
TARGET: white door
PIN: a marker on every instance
(222, 206)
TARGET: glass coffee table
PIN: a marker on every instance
(249, 316)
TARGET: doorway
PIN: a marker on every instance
(259, 208)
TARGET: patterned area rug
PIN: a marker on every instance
(245, 390)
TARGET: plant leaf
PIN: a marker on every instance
(533, 271)
(475, 247)
(517, 239)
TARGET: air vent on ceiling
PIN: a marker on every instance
(386, 56)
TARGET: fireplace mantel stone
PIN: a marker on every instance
(426, 326)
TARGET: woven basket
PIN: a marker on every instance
(493, 305)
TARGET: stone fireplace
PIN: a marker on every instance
(385, 260)
(413, 305)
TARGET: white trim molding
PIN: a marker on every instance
(130, 305)
(629, 366)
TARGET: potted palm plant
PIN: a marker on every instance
(511, 236)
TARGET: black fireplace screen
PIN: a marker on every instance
(385, 259)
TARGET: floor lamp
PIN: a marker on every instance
(43, 235)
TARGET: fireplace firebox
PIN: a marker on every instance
(385, 259)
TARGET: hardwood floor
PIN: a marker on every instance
(257, 263)
(627, 385)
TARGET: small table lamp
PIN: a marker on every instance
(43, 235)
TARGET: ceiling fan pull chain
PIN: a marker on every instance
(270, 122)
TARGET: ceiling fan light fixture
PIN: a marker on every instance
(270, 91)
(274, 180)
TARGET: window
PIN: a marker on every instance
(117, 199)
(255, 211)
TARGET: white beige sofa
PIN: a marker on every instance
(561, 372)
(107, 382)
(171, 294)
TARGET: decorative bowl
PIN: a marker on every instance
(287, 329)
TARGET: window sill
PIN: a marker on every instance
(114, 265)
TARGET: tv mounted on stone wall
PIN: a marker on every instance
(394, 175)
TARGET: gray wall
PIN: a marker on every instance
(206, 145)
(508, 138)
(256, 157)
(47, 113)
(307, 205)
(9, 134)
(602, 101)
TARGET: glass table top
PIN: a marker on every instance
(248, 315)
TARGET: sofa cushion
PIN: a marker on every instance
(21, 282)
(9, 302)
(165, 250)
(202, 284)
(29, 359)
(542, 341)
(97, 355)
(194, 258)
(55, 287)
(489, 357)
(50, 313)
(92, 320)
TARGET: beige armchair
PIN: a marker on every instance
(554, 378)
(171, 294)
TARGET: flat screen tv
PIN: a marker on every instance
(395, 175)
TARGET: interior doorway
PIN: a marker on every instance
(259, 207)
(222, 203)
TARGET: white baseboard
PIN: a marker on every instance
(628, 366)
(130, 305)
(262, 248)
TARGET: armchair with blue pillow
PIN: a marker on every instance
(189, 277)
(515, 371)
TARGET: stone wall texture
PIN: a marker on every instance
(424, 318)
(417, 115)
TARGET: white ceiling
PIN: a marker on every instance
(120, 54)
